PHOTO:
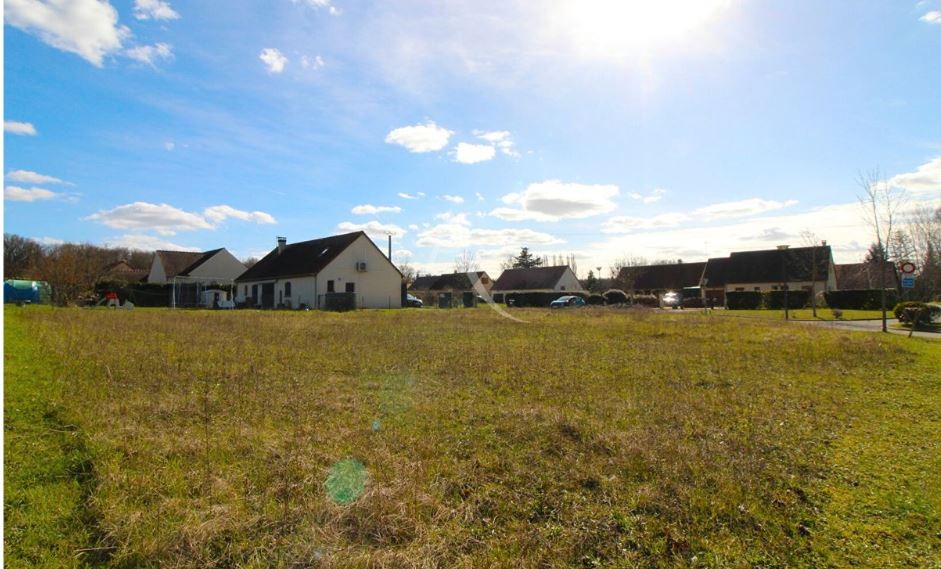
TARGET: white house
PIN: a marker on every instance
(216, 266)
(538, 279)
(192, 273)
(297, 274)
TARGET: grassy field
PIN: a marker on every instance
(426, 438)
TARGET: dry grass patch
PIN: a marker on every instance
(578, 439)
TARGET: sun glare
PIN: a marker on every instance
(620, 27)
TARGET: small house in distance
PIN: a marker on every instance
(862, 276)
(428, 287)
(302, 274)
(658, 279)
(123, 273)
(217, 266)
(192, 274)
(797, 268)
(546, 280)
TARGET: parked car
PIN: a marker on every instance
(413, 301)
(671, 300)
(565, 301)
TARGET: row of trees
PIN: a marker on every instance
(71, 270)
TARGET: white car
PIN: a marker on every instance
(671, 299)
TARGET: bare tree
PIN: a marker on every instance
(72, 270)
(623, 271)
(20, 255)
(408, 273)
(250, 262)
(881, 204)
(466, 262)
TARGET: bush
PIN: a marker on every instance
(596, 300)
(743, 300)
(774, 300)
(864, 299)
(615, 296)
(904, 310)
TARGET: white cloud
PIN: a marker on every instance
(403, 253)
(500, 139)
(333, 10)
(742, 208)
(553, 200)
(273, 59)
(453, 198)
(455, 218)
(29, 177)
(374, 228)
(170, 145)
(413, 226)
(627, 224)
(480, 196)
(50, 241)
(652, 197)
(427, 137)
(417, 196)
(154, 10)
(88, 28)
(926, 178)
(473, 153)
(218, 213)
(932, 17)
(367, 209)
(150, 53)
(16, 194)
(449, 235)
(23, 128)
(316, 63)
(168, 220)
(162, 218)
(147, 243)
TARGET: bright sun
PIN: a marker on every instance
(619, 27)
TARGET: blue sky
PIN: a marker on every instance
(600, 128)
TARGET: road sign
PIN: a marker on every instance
(907, 267)
(908, 281)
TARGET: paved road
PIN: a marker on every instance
(852, 325)
(866, 326)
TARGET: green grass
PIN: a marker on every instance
(807, 314)
(462, 439)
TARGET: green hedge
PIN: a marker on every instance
(340, 301)
(596, 300)
(141, 294)
(774, 300)
(646, 300)
(743, 300)
(864, 299)
(615, 296)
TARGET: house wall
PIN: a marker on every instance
(157, 274)
(819, 286)
(380, 286)
(568, 283)
(222, 266)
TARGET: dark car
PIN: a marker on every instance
(413, 301)
(565, 301)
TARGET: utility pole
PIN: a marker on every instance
(783, 250)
